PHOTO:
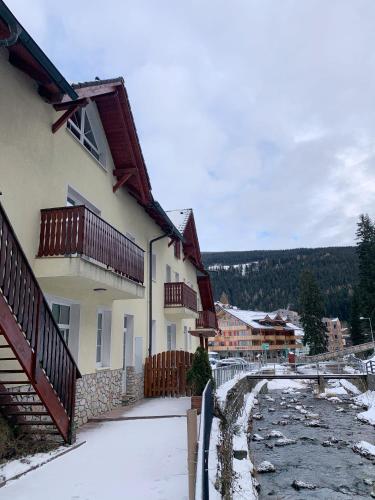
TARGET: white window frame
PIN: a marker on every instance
(73, 198)
(81, 138)
(63, 327)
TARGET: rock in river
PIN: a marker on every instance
(257, 437)
(275, 434)
(285, 441)
(265, 466)
(300, 485)
(257, 416)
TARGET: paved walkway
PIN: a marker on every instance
(123, 459)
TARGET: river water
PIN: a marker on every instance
(335, 470)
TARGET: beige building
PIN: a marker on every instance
(123, 278)
(334, 334)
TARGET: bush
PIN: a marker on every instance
(200, 372)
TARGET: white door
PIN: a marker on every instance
(128, 347)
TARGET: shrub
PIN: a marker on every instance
(200, 372)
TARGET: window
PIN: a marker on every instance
(81, 127)
(74, 198)
(177, 249)
(186, 338)
(153, 267)
(61, 314)
(171, 337)
(177, 277)
(99, 339)
(138, 358)
(103, 338)
(168, 274)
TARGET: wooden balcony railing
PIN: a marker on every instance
(180, 295)
(79, 231)
(207, 319)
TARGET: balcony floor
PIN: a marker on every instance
(76, 276)
(180, 313)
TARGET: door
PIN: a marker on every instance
(128, 347)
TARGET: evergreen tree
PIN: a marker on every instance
(312, 311)
(355, 323)
(200, 372)
(366, 264)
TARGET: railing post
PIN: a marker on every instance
(35, 356)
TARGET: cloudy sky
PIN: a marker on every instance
(259, 114)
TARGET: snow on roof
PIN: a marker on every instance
(179, 218)
(251, 317)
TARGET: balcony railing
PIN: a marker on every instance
(79, 231)
(180, 295)
(207, 320)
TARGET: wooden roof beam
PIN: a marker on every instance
(123, 180)
(68, 113)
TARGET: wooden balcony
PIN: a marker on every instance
(206, 320)
(180, 300)
(77, 231)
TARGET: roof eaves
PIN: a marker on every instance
(34, 49)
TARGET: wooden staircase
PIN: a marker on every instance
(37, 371)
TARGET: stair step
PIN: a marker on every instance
(15, 382)
(8, 359)
(41, 432)
(36, 422)
(15, 393)
(11, 371)
(4, 346)
(29, 413)
(22, 403)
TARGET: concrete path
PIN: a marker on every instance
(132, 460)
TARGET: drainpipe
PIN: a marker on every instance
(165, 235)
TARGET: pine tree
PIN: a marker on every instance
(366, 257)
(355, 323)
(200, 372)
(312, 311)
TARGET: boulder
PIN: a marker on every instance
(265, 466)
(301, 485)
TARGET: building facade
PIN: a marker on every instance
(123, 278)
(334, 334)
(250, 333)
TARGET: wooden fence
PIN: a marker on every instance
(165, 374)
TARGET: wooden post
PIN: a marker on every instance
(192, 437)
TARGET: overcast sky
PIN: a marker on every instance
(258, 114)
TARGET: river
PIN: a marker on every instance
(321, 456)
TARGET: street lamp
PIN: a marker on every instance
(372, 333)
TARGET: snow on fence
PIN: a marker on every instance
(225, 373)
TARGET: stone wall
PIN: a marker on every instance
(134, 386)
(97, 393)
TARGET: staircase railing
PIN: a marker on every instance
(30, 309)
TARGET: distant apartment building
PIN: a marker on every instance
(290, 316)
(334, 333)
(249, 333)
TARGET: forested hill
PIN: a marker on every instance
(269, 279)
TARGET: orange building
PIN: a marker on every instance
(247, 333)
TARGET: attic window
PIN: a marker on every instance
(80, 126)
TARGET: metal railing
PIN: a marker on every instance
(370, 367)
(202, 484)
(223, 374)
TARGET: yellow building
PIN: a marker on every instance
(123, 278)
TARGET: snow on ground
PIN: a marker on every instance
(278, 385)
(349, 386)
(213, 459)
(222, 391)
(367, 399)
(152, 407)
(135, 459)
(23, 465)
(243, 468)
